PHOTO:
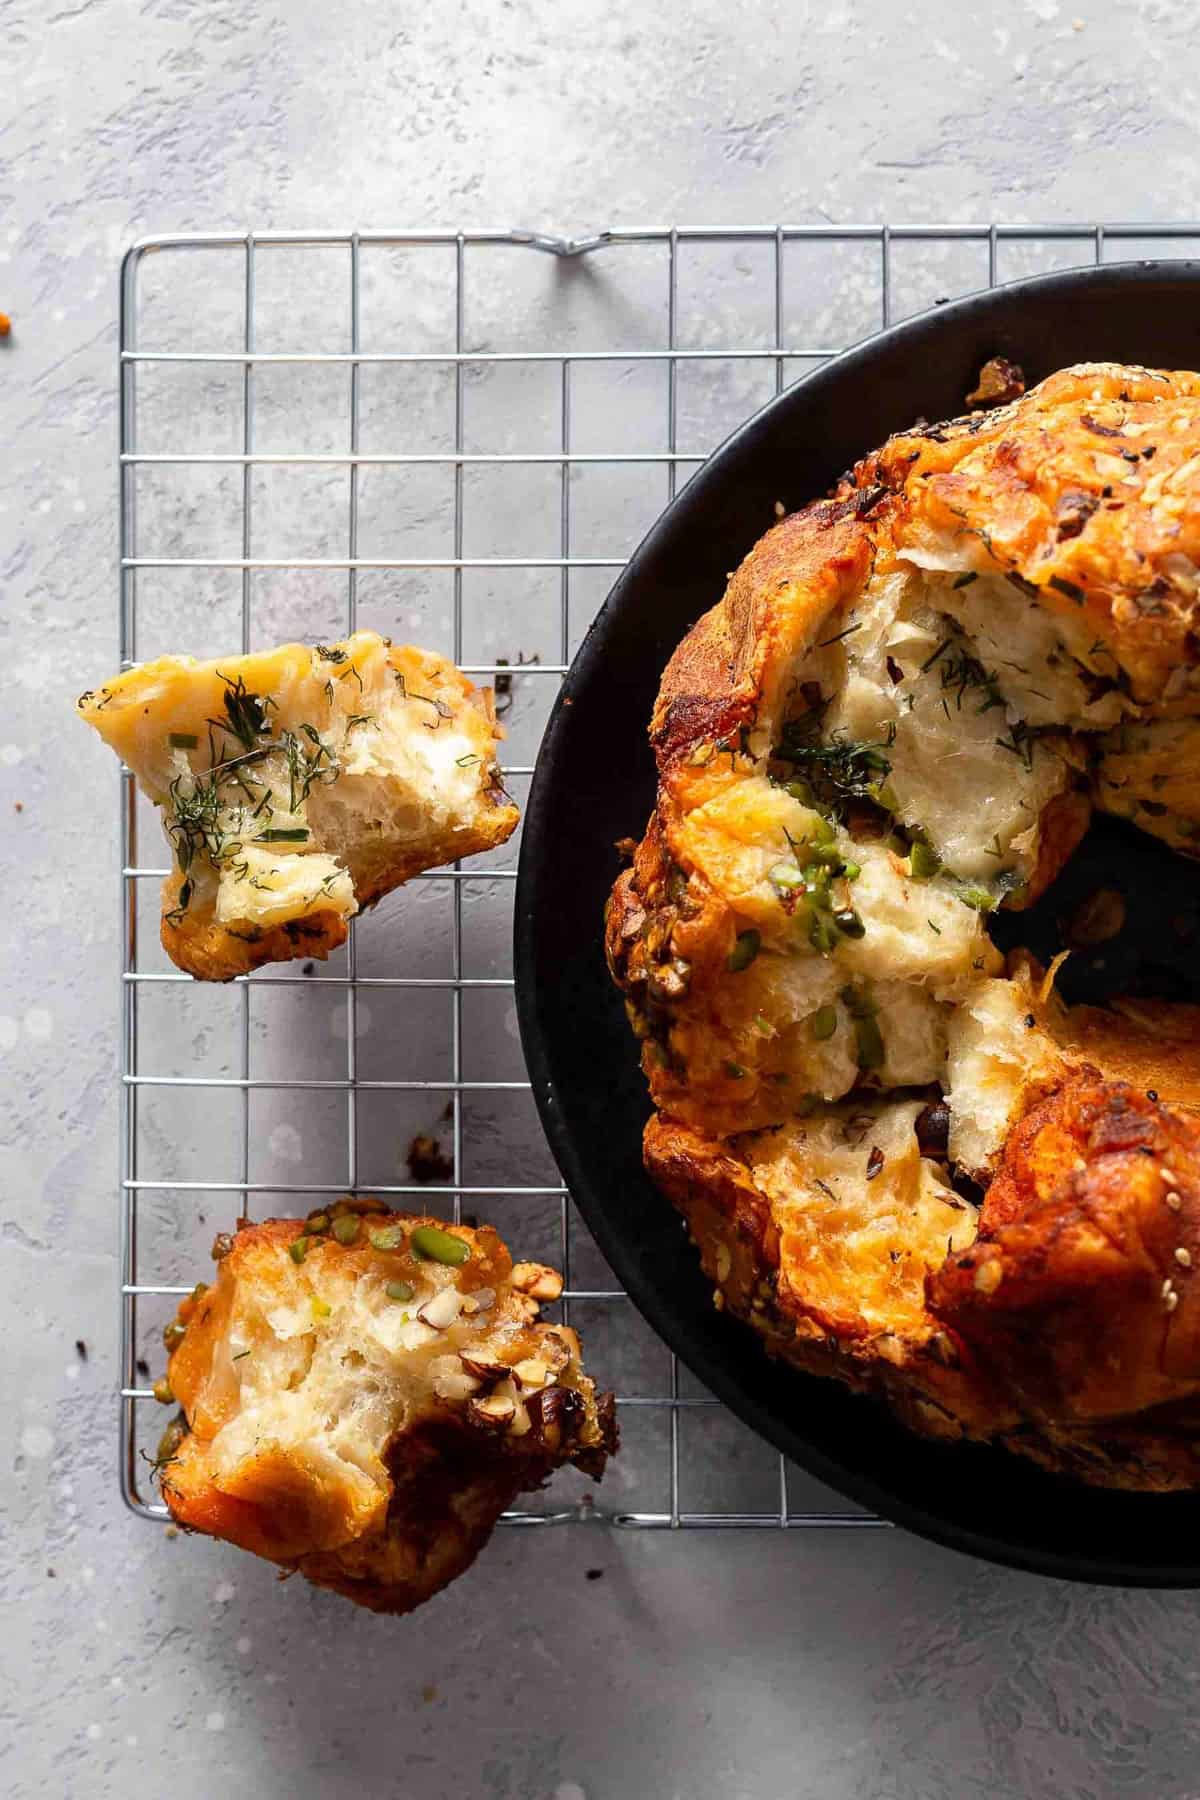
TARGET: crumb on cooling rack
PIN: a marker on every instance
(427, 1162)
(5, 325)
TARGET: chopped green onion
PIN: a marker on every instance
(762, 1026)
(824, 1022)
(391, 1237)
(298, 1249)
(800, 790)
(785, 875)
(744, 951)
(734, 1071)
(827, 854)
(851, 870)
(183, 740)
(399, 1290)
(276, 835)
(436, 1245)
(823, 832)
(978, 899)
(345, 1228)
(923, 861)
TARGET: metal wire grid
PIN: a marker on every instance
(138, 1288)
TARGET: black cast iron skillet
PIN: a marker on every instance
(595, 784)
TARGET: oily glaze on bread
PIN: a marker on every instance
(898, 719)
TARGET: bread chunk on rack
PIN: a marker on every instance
(363, 1393)
(301, 784)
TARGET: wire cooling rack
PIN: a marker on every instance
(458, 438)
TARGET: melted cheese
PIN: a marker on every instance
(861, 1213)
(964, 770)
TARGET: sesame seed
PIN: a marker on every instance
(1166, 1287)
(1173, 1201)
(1169, 1176)
(1171, 1301)
(1183, 1258)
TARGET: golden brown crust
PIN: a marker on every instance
(1080, 1290)
(726, 675)
(1088, 489)
(1080, 502)
(363, 1413)
(201, 947)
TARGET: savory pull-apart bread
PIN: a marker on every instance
(363, 1394)
(301, 784)
(905, 1162)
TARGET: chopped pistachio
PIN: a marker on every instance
(162, 1391)
(170, 1440)
(298, 1249)
(399, 1290)
(824, 1022)
(869, 1042)
(316, 1223)
(391, 1237)
(745, 949)
(436, 1245)
(345, 1228)
(174, 1334)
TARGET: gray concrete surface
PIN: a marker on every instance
(833, 1666)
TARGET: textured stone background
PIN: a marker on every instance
(756, 1666)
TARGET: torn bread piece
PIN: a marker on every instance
(301, 784)
(363, 1393)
